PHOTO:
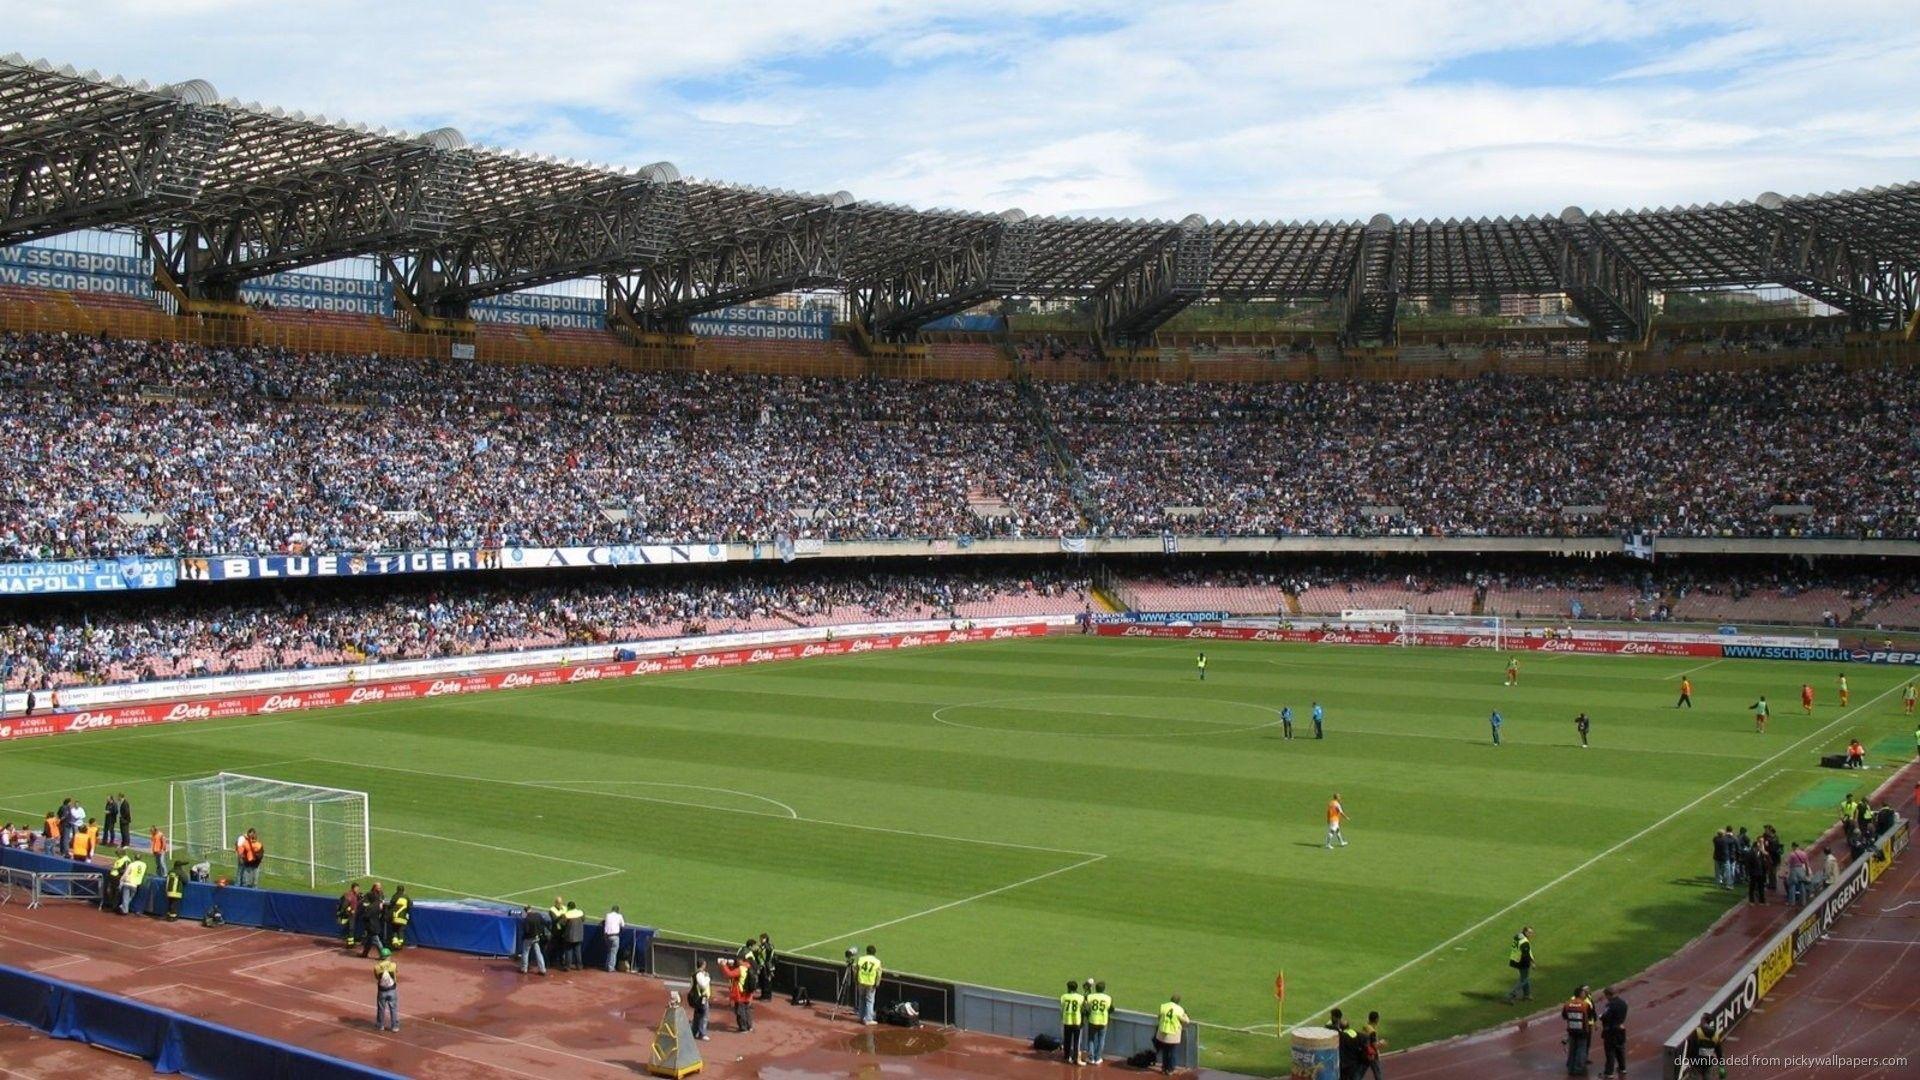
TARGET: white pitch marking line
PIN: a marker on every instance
(1687, 808)
(70, 788)
(1222, 728)
(1768, 779)
(951, 904)
(497, 847)
(563, 884)
(791, 812)
(724, 809)
(1690, 670)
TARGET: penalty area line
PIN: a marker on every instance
(951, 904)
(1615, 848)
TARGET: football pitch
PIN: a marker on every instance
(1021, 813)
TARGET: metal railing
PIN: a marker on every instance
(35, 886)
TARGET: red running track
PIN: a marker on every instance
(462, 1017)
(1853, 994)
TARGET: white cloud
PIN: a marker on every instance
(1235, 108)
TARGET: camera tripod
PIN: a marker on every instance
(843, 993)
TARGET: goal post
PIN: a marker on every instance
(319, 833)
(1492, 628)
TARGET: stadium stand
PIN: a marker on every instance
(65, 645)
(246, 455)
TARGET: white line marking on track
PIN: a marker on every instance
(182, 958)
(1687, 808)
(479, 1032)
(1870, 941)
(951, 904)
(335, 1022)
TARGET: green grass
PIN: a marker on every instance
(1079, 806)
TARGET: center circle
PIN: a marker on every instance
(1107, 715)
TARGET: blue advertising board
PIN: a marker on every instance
(321, 292)
(783, 324)
(1162, 618)
(542, 309)
(75, 271)
(86, 575)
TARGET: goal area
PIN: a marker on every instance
(318, 833)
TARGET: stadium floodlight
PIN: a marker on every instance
(322, 831)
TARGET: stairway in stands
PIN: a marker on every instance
(1063, 460)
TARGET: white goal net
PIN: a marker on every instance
(318, 833)
(1485, 631)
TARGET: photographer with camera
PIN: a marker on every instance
(866, 974)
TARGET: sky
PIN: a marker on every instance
(1235, 109)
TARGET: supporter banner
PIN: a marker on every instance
(321, 292)
(262, 567)
(1075, 544)
(536, 558)
(214, 708)
(86, 575)
(971, 324)
(765, 322)
(542, 309)
(81, 271)
(1443, 640)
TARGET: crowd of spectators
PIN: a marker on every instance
(119, 448)
(402, 619)
(1698, 454)
(122, 447)
(1856, 595)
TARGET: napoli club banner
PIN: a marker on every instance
(86, 575)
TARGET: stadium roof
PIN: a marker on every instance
(227, 190)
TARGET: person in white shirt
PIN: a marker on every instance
(700, 996)
(610, 928)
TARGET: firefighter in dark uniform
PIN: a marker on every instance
(347, 914)
(176, 888)
(763, 967)
(399, 911)
(373, 920)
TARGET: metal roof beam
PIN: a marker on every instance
(76, 154)
(1158, 285)
(1605, 287)
(805, 252)
(380, 203)
(990, 263)
(614, 224)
